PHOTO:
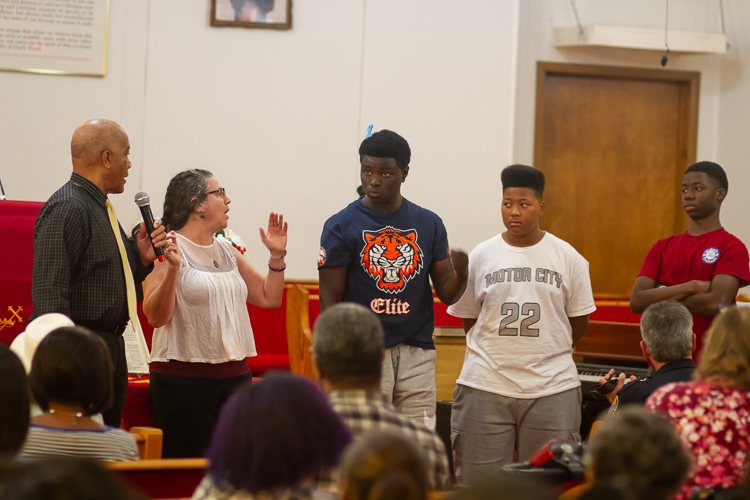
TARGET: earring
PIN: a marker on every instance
(203, 215)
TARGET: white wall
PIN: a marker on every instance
(734, 110)
(278, 116)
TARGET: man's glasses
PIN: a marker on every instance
(221, 192)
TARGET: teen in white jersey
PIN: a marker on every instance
(526, 304)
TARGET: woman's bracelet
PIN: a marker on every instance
(279, 257)
(276, 269)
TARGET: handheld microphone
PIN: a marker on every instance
(143, 202)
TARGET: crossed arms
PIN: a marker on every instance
(700, 297)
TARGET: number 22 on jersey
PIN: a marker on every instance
(531, 313)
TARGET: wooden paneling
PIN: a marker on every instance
(613, 144)
(450, 359)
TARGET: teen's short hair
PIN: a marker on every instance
(713, 170)
(523, 176)
(274, 434)
(72, 366)
(14, 403)
(667, 331)
(387, 144)
(630, 448)
(348, 343)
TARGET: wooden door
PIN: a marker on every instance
(613, 144)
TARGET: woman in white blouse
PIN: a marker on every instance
(196, 299)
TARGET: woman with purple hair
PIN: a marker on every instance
(271, 441)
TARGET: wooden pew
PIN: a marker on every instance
(299, 335)
(149, 441)
(167, 478)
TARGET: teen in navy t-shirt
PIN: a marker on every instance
(379, 252)
(390, 255)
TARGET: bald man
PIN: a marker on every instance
(77, 266)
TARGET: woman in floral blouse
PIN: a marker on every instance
(712, 414)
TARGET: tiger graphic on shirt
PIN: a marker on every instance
(391, 257)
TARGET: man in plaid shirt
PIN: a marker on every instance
(348, 350)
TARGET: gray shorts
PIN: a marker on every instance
(408, 381)
(488, 429)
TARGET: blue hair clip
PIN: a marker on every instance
(369, 132)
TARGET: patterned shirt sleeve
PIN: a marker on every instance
(60, 237)
(77, 268)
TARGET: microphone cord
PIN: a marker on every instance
(666, 30)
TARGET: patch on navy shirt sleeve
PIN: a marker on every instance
(322, 256)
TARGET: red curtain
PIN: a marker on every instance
(16, 256)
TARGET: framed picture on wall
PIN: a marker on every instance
(263, 14)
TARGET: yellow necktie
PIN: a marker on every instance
(129, 283)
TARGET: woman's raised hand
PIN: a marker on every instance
(274, 238)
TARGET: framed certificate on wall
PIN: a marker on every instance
(58, 37)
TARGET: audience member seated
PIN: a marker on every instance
(348, 350)
(14, 403)
(712, 413)
(71, 380)
(667, 345)
(383, 466)
(638, 453)
(25, 344)
(506, 486)
(271, 441)
(63, 479)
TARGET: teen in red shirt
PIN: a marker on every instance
(703, 267)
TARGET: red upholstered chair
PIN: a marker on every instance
(269, 330)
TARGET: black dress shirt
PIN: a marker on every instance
(77, 266)
(638, 391)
